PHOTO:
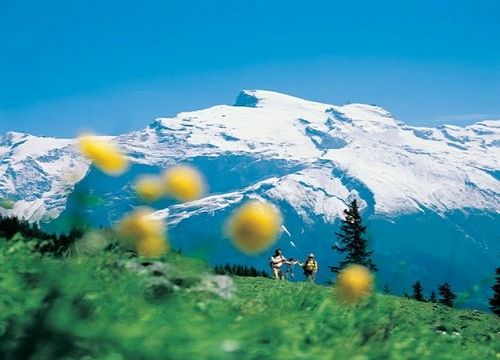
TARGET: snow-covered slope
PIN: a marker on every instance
(38, 173)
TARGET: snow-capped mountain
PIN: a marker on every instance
(418, 186)
(37, 174)
(407, 169)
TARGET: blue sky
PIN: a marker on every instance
(113, 66)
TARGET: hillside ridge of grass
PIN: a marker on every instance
(92, 306)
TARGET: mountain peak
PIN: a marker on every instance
(274, 99)
(357, 112)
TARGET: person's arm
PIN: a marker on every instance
(276, 261)
(283, 260)
(316, 266)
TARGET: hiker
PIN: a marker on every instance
(276, 262)
(310, 267)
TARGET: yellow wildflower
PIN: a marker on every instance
(103, 154)
(152, 246)
(146, 234)
(354, 283)
(149, 188)
(184, 183)
(255, 226)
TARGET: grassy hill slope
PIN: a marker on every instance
(111, 306)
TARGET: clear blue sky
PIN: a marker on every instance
(113, 66)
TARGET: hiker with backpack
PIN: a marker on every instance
(310, 267)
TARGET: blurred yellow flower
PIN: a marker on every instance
(140, 223)
(354, 283)
(255, 226)
(152, 246)
(184, 183)
(103, 154)
(149, 188)
(144, 233)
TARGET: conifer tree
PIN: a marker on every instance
(447, 295)
(418, 291)
(386, 289)
(495, 298)
(433, 298)
(352, 240)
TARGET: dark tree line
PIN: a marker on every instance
(239, 270)
(446, 294)
(46, 243)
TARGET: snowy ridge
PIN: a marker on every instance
(401, 168)
(406, 168)
(38, 173)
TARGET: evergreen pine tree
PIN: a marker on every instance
(495, 299)
(386, 289)
(217, 270)
(253, 272)
(433, 298)
(418, 291)
(447, 295)
(352, 240)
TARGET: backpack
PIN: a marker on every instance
(310, 265)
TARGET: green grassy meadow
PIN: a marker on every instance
(104, 305)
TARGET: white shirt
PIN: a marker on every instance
(277, 261)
